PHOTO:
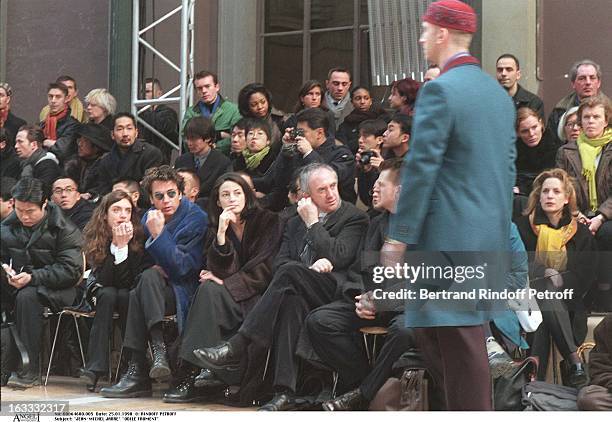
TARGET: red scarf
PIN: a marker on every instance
(50, 129)
(4, 115)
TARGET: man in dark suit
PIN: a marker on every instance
(207, 162)
(318, 247)
(129, 158)
(456, 197)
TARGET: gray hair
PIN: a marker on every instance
(103, 98)
(585, 62)
(307, 172)
(563, 120)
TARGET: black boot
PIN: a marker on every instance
(206, 378)
(90, 378)
(160, 367)
(184, 392)
(133, 383)
(353, 400)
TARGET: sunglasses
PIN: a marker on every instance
(160, 195)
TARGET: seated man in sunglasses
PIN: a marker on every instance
(174, 228)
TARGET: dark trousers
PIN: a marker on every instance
(108, 299)
(333, 332)
(214, 316)
(456, 357)
(604, 278)
(151, 300)
(595, 397)
(29, 307)
(280, 313)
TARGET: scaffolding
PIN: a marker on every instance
(184, 68)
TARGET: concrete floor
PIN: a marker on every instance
(79, 399)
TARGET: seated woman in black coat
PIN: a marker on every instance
(565, 258)
(242, 242)
(534, 151)
(258, 153)
(113, 245)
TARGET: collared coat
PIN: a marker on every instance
(457, 180)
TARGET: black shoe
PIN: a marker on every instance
(222, 356)
(353, 400)
(207, 379)
(160, 368)
(184, 392)
(90, 378)
(577, 376)
(133, 383)
(281, 402)
(4, 379)
(22, 381)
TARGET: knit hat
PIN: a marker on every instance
(97, 135)
(452, 14)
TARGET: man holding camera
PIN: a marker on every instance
(308, 143)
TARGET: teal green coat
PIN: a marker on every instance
(457, 182)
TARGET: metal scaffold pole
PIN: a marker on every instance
(184, 68)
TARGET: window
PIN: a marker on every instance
(303, 39)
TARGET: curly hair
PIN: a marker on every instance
(244, 97)
(97, 235)
(407, 88)
(568, 186)
(163, 173)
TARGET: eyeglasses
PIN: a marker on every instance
(68, 190)
(160, 195)
(572, 124)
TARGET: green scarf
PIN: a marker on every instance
(253, 160)
(589, 150)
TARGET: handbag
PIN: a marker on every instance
(507, 389)
(407, 393)
(539, 395)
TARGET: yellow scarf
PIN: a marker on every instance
(253, 160)
(550, 248)
(589, 149)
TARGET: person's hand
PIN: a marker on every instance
(322, 265)
(516, 190)
(20, 280)
(224, 134)
(122, 234)
(206, 275)
(581, 218)
(226, 217)
(48, 143)
(555, 278)
(596, 223)
(303, 146)
(155, 222)
(376, 160)
(86, 196)
(287, 136)
(364, 307)
(308, 211)
(259, 195)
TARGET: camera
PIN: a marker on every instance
(366, 156)
(295, 132)
(290, 148)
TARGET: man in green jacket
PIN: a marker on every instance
(224, 114)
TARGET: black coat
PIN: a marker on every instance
(121, 276)
(41, 165)
(132, 165)
(215, 165)
(66, 145)
(86, 173)
(338, 240)
(239, 163)
(51, 253)
(246, 266)
(348, 131)
(12, 125)
(81, 213)
(165, 120)
(9, 163)
(532, 161)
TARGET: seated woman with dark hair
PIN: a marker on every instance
(535, 152)
(363, 109)
(565, 258)
(242, 242)
(113, 245)
(258, 153)
(311, 96)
